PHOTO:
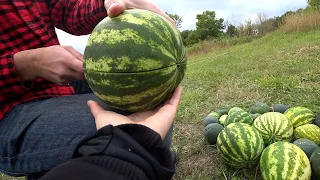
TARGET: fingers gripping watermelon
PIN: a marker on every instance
(135, 60)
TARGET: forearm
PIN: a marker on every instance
(24, 65)
(77, 17)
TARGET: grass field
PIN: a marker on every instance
(278, 68)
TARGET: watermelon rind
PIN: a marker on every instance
(260, 107)
(133, 62)
(211, 133)
(210, 120)
(281, 108)
(239, 116)
(240, 145)
(308, 131)
(306, 145)
(274, 127)
(284, 161)
(315, 164)
(300, 116)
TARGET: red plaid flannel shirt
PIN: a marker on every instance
(29, 24)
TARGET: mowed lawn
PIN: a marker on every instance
(278, 68)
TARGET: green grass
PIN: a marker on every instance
(278, 68)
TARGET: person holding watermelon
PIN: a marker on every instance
(42, 117)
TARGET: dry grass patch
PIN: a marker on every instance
(305, 21)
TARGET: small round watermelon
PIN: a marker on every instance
(133, 62)
(214, 114)
(260, 108)
(211, 132)
(210, 120)
(223, 119)
(306, 145)
(255, 116)
(281, 108)
(315, 164)
(223, 111)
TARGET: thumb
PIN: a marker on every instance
(95, 108)
(114, 8)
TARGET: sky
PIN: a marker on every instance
(234, 11)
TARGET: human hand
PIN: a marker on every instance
(159, 120)
(59, 64)
(116, 7)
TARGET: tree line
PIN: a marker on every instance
(208, 26)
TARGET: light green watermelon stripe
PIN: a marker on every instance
(288, 131)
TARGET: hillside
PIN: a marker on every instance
(278, 68)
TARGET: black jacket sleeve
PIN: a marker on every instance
(123, 152)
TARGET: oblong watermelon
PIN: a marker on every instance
(300, 116)
(284, 161)
(134, 61)
(240, 145)
(274, 127)
(308, 131)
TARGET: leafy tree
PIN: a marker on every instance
(232, 30)
(208, 26)
(314, 3)
(189, 37)
(176, 18)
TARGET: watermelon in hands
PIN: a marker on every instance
(133, 62)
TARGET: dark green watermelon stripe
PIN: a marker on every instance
(162, 88)
(264, 159)
(260, 144)
(240, 139)
(228, 140)
(279, 121)
(118, 83)
(246, 138)
(225, 150)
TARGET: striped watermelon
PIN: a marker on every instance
(239, 116)
(240, 145)
(135, 60)
(299, 116)
(273, 127)
(284, 161)
(308, 131)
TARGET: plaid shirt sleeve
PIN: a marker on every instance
(10, 83)
(77, 17)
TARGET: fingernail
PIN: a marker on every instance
(113, 3)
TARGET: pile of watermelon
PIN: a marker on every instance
(282, 141)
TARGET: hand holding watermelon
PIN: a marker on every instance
(114, 8)
(159, 119)
(58, 64)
